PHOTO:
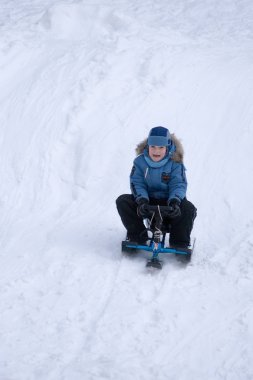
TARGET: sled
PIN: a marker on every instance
(156, 244)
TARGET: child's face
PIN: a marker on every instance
(156, 153)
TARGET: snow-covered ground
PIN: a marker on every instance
(81, 83)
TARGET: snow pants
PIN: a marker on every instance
(180, 227)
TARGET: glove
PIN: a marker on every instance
(142, 209)
(174, 203)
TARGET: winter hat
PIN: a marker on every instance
(159, 136)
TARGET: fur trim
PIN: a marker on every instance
(178, 155)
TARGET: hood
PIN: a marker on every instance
(177, 155)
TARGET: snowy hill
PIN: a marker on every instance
(81, 83)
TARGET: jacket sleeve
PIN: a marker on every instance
(137, 182)
(178, 182)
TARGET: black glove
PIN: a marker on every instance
(174, 203)
(142, 209)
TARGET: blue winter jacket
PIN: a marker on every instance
(164, 179)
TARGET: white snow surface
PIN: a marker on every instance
(81, 83)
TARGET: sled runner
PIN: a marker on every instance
(156, 244)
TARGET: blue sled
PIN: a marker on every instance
(157, 242)
(184, 254)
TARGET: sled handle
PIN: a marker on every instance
(157, 209)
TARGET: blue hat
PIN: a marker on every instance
(159, 136)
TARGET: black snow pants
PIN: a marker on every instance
(180, 227)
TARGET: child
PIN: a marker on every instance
(158, 178)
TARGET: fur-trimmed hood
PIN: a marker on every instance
(178, 154)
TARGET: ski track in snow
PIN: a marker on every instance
(81, 84)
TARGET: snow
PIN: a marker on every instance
(81, 83)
